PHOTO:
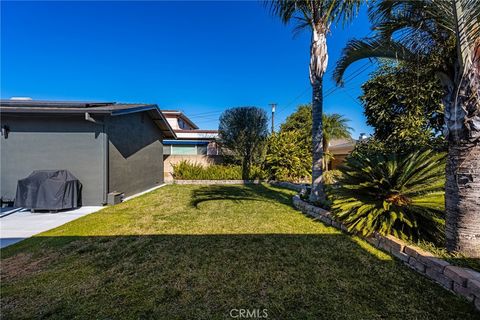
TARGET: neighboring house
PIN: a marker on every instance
(192, 144)
(340, 148)
(200, 146)
(109, 147)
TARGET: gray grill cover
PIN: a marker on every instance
(48, 190)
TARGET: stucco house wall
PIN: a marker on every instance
(40, 142)
(135, 153)
(338, 160)
(341, 148)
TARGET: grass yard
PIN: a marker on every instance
(196, 252)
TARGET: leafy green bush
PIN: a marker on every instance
(396, 194)
(331, 176)
(243, 131)
(286, 158)
(186, 170)
(403, 102)
(257, 173)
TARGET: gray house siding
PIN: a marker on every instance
(135, 154)
(53, 142)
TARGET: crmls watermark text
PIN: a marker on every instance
(249, 313)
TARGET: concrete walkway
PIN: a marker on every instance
(20, 224)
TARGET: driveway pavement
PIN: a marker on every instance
(18, 224)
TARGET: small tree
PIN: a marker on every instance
(286, 159)
(243, 131)
(334, 127)
(403, 104)
(301, 121)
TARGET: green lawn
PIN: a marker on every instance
(196, 252)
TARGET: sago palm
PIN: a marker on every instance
(334, 127)
(397, 194)
(316, 16)
(446, 34)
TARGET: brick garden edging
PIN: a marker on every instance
(216, 181)
(462, 281)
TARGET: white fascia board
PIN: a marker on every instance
(196, 135)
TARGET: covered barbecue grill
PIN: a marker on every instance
(48, 190)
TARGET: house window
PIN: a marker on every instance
(182, 124)
(184, 149)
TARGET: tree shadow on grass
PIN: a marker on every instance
(237, 193)
(278, 194)
(204, 276)
(293, 276)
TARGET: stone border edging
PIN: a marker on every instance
(289, 185)
(462, 281)
(217, 181)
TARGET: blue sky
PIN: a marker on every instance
(199, 57)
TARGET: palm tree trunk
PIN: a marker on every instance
(462, 198)
(318, 65)
(317, 193)
(462, 189)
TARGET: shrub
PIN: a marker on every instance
(186, 170)
(243, 131)
(257, 173)
(396, 194)
(403, 103)
(286, 159)
(331, 176)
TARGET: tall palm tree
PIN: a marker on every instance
(334, 127)
(423, 31)
(316, 16)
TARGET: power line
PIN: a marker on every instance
(205, 116)
(330, 91)
(350, 96)
(206, 113)
(280, 110)
(212, 115)
(205, 119)
(355, 74)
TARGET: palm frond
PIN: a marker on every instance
(335, 126)
(309, 13)
(415, 12)
(284, 9)
(381, 193)
(370, 48)
(345, 11)
(471, 17)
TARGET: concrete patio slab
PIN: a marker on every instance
(22, 224)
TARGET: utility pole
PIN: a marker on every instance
(273, 105)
